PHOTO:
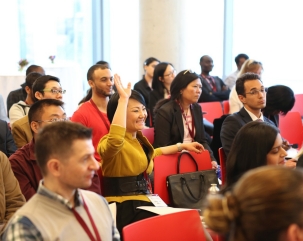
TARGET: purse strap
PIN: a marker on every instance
(201, 177)
(179, 160)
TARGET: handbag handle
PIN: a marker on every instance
(191, 157)
(190, 192)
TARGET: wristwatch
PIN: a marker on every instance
(179, 146)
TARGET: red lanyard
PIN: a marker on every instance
(83, 224)
(192, 130)
(100, 114)
(212, 83)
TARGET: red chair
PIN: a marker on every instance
(298, 104)
(213, 110)
(180, 226)
(149, 134)
(166, 165)
(222, 158)
(225, 107)
(291, 128)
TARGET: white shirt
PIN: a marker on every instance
(230, 80)
(253, 117)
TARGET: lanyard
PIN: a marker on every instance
(192, 130)
(211, 83)
(100, 114)
(83, 224)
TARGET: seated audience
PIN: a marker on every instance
(45, 87)
(230, 80)
(256, 144)
(127, 156)
(11, 196)
(179, 119)
(252, 94)
(144, 86)
(251, 66)
(163, 76)
(20, 94)
(20, 109)
(213, 88)
(265, 205)
(23, 162)
(61, 210)
(7, 144)
(280, 99)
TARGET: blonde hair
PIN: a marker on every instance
(250, 65)
(262, 205)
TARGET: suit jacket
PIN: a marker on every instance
(21, 131)
(169, 128)
(144, 90)
(208, 95)
(7, 144)
(232, 124)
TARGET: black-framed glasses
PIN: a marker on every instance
(55, 91)
(256, 92)
(53, 120)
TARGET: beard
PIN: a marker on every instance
(101, 92)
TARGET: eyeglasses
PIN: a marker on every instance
(53, 120)
(55, 91)
(188, 71)
(256, 92)
(171, 73)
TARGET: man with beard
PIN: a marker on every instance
(213, 88)
(93, 113)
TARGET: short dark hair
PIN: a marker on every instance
(113, 103)
(240, 56)
(32, 68)
(249, 149)
(91, 70)
(149, 60)
(56, 140)
(159, 72)
(279, 98)
(36, 110)
(103, 63)
(242, 79)
(31, 78)
(40, 83)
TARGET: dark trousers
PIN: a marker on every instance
(128, 213)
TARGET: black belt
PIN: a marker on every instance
(124, 186)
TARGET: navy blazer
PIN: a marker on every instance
(232, 124)
(207, 92)
(7, 144)
(169, 128)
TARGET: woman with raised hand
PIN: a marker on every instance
(127, 156)
(179, 119)
(266, 204)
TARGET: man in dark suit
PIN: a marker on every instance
(213, 88)
(7, 144)
(252, 94)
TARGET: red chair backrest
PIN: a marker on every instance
(225, 107)
(222, 158)
(166, 165)
(298, 106)
(291, 128)
(213, 110)
(179, 226)
(149, 134)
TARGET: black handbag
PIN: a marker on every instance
(188, 190)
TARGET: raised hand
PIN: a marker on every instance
(123, 92)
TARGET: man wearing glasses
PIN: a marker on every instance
(23, 161)
(252, 94)
(45, 87)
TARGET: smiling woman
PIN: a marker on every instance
(127, 156)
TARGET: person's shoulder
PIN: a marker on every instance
(139, 83)
(93, 196)
(21, 121)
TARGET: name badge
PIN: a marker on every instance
(156, 200)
